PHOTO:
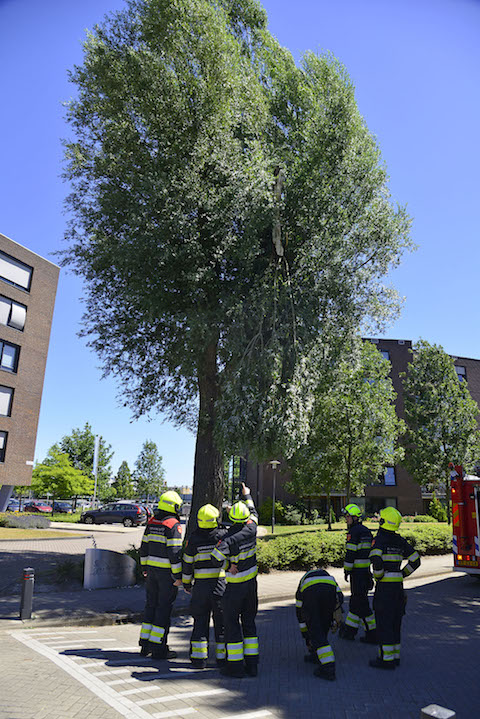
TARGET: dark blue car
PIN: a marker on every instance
(129, 514)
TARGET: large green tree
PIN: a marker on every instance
(441, 418)
(354, 428)
(123, 483)
(231, 219)
(149, 473)
(57, 476)
(80, 447)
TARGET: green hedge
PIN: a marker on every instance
(24, 521)
(303, 551)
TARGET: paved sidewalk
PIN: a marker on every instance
(110, 606)
(97, 673)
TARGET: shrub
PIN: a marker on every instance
(265, 512)
(423, 519)
(436, 509)
(134, 553)
(69, 571)
(24, 521)
(305, 550)
(293, 515)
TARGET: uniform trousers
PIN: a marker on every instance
(160, 596)
(360, 583)
(240, 604)
(318, 606)
(206, 601)
(389, 606)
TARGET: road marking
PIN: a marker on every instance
(55, 643)
(107, 672)
(40, 632)
(131, 680)
(174, 713)
(184, 695)
(153, 688)
(121, 704)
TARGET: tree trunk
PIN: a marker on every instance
(329, 511)
(208, 483)
(348, 487)
(448, 495)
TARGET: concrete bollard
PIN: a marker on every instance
(433, 710)
(26, 602)
(105, 569)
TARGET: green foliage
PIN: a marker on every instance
(58, 477)
(80, 447)
(23, 521)
(123, 484)
(149, 473)
(441, 417)
(354, 428)
(70, 518)
(265, 512)
(134, 553)
(321, 549)
(69, 570)
(436, 509)
(231, 220)
(423, 519)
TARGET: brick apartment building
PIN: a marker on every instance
(396, 488)
(28, 285)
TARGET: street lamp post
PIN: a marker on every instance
(274, 464)
(96, 450)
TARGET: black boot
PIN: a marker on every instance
(251, 666)
(199, 663)
(233, 669)
(145, 648)
(311, 658)
(163, 652)
(326, 671)
(347, 632)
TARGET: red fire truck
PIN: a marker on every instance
(465, 520)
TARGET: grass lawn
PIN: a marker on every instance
(57, 517)
(11, 533)
(336, 527)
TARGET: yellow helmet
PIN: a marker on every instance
(390, 518)
(353, 510)
(170, 502)
(239, 512)
(207, 516)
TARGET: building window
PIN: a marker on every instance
(6, 398)
(390, 478)
(9, 356)
(12, 314)
(385, 354)
(461, 372)
(391, 502)
(15, 273)
(3, 445)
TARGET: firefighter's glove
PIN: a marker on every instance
(337, 619)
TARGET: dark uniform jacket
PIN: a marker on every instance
(239, 546)
(316, 580)
(197, 561)
(359, 544)
(388, 551)
(161, 546)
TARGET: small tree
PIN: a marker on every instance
(354, 428)
(149, 475)
(123, 484)
(80, 447)
(441, 418)
(58, 477)
(436, 509)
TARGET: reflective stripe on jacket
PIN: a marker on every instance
(359, 544)
(388, 552)
(162, 545)
(239, 547)
(197, 561)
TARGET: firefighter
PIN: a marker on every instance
(388, 551)
(161, 559)
(240, 601)
(208, 586)
(319, 608)
(357, 567)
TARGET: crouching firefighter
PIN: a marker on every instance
(208, 586)
(319, 608)
(388, 551)
(161, 559)
(357, 568)
(240, 601)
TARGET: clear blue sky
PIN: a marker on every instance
(415, 66)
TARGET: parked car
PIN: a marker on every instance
(13, 505)
(149, 511)
(39, 507)
(130, 515)
(62, 507)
